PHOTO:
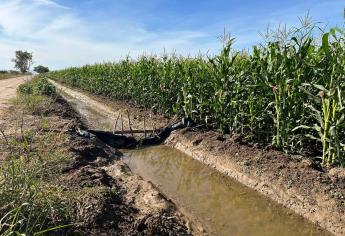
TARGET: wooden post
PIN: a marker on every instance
(129, 123)
(153, 125)
(154, 128)
(121, 123)
(144, 126)
(115, 125)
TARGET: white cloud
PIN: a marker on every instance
(49, 3)
(58, 38)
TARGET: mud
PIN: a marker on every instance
(296, 182)
(108, 198)
(224, 206)
(123, 203)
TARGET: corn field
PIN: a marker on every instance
(286, 93)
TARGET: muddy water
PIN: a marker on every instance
(222, 205)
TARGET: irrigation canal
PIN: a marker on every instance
(221, 204)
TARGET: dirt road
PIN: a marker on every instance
(108, 199)
(8, 89)
(101, 113)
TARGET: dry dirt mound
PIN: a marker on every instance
(106, 198)
(300, 184)
(117, 202)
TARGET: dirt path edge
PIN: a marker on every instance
(318, 209)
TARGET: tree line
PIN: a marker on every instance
(23, 61)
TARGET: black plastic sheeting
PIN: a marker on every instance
(121, 141)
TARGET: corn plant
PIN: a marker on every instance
(327, 106)
(268, 95)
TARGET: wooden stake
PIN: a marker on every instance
(144, 126)
(115, 125)
(129, 122)
(121, 123)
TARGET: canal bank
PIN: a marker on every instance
(295, 182)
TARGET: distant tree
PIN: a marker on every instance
(22, 61)
(41, 69)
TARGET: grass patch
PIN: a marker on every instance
(37, 86)
(30, 199)
(31, 203)
(8, 75)
(35, 95)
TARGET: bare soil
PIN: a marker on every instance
(306, 187)
(126, 205)
(8, 90)
(109, 199)
(300, 184)
(112, 108)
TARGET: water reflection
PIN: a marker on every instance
(221, 204)
(224, 206)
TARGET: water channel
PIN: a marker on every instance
(221, 204)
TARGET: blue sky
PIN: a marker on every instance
(63, 33)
